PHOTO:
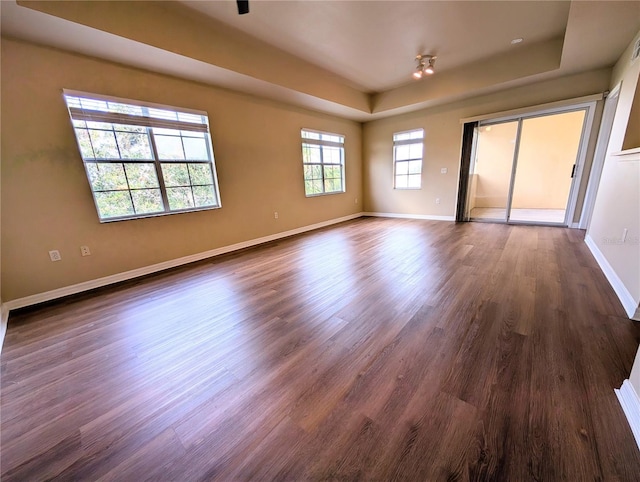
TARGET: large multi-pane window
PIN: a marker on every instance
(407, 159)
(143, 160)
(323, 162)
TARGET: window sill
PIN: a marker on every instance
(157, 215)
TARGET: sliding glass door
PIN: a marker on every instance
(522, 169)
(490, 176)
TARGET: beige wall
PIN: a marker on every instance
(46, 200)
(617, 205)
(443, 135)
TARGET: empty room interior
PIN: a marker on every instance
(320, 240)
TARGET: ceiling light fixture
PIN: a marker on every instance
(425, 65)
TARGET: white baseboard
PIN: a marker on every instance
(631, 405)
(574, 225)
(630, 305)
(154, 268)
(4, 318)
(429, 217)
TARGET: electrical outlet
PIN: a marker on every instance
(437, 200)
(275, 215)
(443, 170)
(54, 254)
(85, 251)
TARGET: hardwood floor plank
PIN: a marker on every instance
(377, 349)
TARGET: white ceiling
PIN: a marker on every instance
(349, 58)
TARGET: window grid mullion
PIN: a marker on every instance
(322, 167)
(126, 178)
(115, 138)
(162, 185)
(90, 140)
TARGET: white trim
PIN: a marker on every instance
(629, 304)
(4, 319)
(627, 155)
(154, 268)
(581, 157)
(630, 402)
(574, 225)
(430, 217)
(541, 108)
(599, 155)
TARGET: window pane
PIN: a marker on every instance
(134, 146)
(401, 182)
(310, 135)
(417, 134)
(330, 138)
(313, 187)
(402, 153)
(106, 176)
(332, 185)
(147, 201)
(169, 147)
(405, 136)
(100, 125)
(414, 180)
(308, 172)
(415, 151)
(204, 196)
(402, 168)
(415, 167)
(313, 172)
(332, 172)
(310, 153)
(200, 174)
(192, 134)
(86, 151)
(195, 148)
(114, 203)
(168, 132)
(175, 174)
(130, 128)
(141, 175)
(180, 197)
(331, 155)
(104, 144)
(124, 108)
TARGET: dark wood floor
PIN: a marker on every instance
(374, 350)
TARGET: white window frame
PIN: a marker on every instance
(178, 122)
(324, 140)
(407, 142)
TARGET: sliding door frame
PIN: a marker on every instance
(590, 108)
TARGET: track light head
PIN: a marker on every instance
(425, 65)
